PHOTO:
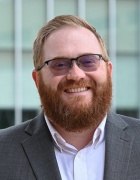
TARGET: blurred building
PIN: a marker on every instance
(118, 21)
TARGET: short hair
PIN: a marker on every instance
(57, 23)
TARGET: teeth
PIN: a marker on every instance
(76, 90)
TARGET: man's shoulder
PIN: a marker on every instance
(128, 119)
(131, 121)
(23, 130)
(14, 131)
(124, 122)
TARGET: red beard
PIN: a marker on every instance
(69, 115)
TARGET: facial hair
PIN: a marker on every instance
(76, 115)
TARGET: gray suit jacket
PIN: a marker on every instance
(27, 151)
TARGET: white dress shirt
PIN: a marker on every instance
(86, 164)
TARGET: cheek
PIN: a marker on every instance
(102, 72)
(52, 81)
(99, 76)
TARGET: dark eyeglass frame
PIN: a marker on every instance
(71, 59)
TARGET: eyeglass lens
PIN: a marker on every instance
(86, 62)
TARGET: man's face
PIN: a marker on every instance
(77, 95)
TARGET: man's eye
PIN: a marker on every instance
(59, 65)
(88, 63)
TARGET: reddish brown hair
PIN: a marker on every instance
(57, 23)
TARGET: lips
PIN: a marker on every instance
(74, 90)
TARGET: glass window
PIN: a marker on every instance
(6, 118)
(97, 15)
(6, 24)
(127, 82)
(65, 7)
(29, 91)
(34, 15)
(29, 114)
(129, 112)
(7, 79)
(127, 26)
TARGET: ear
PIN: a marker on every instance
(35, 77)
(110, 67)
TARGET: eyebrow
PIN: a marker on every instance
(59, 57)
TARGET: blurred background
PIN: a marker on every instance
(118, 22)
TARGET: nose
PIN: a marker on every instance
(75, 73)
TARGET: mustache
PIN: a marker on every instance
(69, 84)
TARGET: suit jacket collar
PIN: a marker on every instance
(39, 150)
(118, 147)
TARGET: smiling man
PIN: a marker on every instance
(76, 82)
(76, 136)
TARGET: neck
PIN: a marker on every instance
(77, 139)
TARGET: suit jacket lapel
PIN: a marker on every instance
(118, 148)
(39, 149)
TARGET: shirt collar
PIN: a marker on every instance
(55, 135)
(99, 134)
(60, 143)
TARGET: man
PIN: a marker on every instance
(76, 136)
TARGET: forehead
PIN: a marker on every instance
(70, 42)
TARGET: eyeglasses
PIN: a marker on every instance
(61, 66)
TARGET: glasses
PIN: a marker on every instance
(61, 66)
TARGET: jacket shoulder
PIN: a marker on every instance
(24, 129)
(131, 121)
(126, 123)
(15, 132)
